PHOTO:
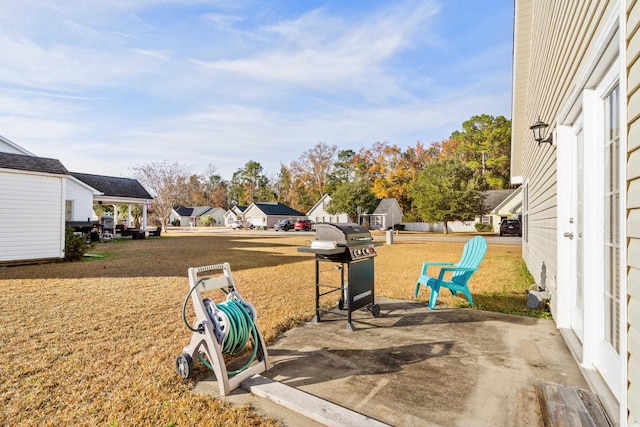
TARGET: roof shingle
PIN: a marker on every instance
(114, 186)
(32, 164)
(277, 209)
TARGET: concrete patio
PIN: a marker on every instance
(412, 367)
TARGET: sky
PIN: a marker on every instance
(108, 85)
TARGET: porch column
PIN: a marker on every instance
(129, 216)
(144, 217)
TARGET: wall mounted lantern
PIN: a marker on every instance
(538, 132)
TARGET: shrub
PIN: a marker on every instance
(206, 221)
(75, 245)
(176, 222)
(483, 227)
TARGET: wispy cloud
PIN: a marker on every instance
(221, 82)
(327, 53)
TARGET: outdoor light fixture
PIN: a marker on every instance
(538, 132)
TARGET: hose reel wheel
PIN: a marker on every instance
(184, 365)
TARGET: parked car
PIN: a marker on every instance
(303, 224)
(510, 226)
(284, 225)
(239, 225)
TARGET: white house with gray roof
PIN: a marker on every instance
(387, 214)
(32, 190)
(268, 213)
(39, 196)
(318, 213)
(236, 213)
(191, 216)
(117, 191)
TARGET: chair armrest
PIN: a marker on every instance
(426, 265)
(453, 269)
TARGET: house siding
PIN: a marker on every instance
(633, 211)
(522, 44)
(82, 199)
(38, 231)
(566, 52)
(319, 214)
(544, 75)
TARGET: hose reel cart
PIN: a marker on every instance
(222, 328)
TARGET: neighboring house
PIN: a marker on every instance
(32, 191)
(576, 69)
(218, 215)
(117, 191)
(268, 213)
(386, 215)
(234, 214)
(191, 216)
(318, 213)
(46, 195)
(501, 204)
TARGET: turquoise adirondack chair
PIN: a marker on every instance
(459, 273)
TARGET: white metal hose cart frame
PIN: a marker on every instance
(223, 328)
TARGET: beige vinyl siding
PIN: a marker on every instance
(522, 51)
(563, 31)
(633, 211)
(31, 209)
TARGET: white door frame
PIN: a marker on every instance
(602, 68)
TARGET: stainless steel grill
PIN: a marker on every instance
(343, 242)
(350, 245)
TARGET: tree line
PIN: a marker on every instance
(439, 182)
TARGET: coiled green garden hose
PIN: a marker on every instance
(241, 328)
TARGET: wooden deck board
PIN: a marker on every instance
(563, 406)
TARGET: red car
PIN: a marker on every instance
(303, 224)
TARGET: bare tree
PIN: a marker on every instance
(169, 185)
(313, 168)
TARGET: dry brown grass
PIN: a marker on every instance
(94, 342)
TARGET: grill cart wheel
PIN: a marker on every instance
(184, 365)
(375, 310)
(340, 304)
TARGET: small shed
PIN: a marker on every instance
(318, 213)
(268, 213)
(386, 215)
(32, 223)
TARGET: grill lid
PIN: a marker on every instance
(341, 234)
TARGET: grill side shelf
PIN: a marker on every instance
(334, 251)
